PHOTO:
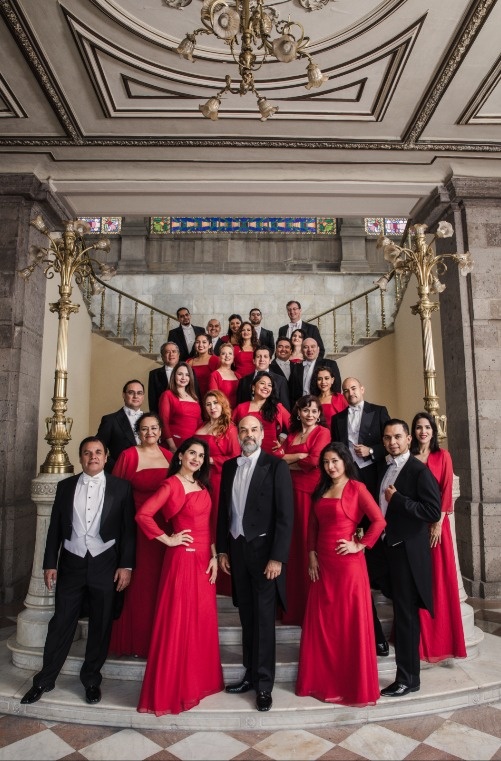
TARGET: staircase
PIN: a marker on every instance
(448, 685)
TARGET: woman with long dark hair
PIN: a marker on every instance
(297, 338)
(441, 636)
(244, 350)
(179, 407)
(204, 362)
(307, 437)
(265, 406)
(234, 322)
(183, 663)
(337, 659)
(332, 401)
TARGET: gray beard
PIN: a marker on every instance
(249, 447)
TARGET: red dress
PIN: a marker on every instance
(203, 373)
(243, 362)
(132, 630)
(337, 658)
(271, 430)
(442, 636)
(221, 449)
(180, 419)
(228, 387)
(184, 664)
(303, 483)
(337, 404)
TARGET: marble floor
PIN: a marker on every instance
(464, 733)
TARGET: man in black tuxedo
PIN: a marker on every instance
(117, 430)
(184, 336)
(281, 364)
(360, 427)
(159, 378)
(213, 330)
(262, 360)
(409, 498)
(254, 532)
(90, 551)
(265, 337)
(294, 312)
(302, 380)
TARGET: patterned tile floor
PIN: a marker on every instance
(467, 733)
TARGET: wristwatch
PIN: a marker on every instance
(371, 451)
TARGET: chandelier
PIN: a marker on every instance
(246, 26)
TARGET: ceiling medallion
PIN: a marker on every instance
(246, 26)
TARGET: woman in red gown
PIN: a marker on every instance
(337, 658)
(331, 401)
(204, 362)
(146, 467)
(244, 350)
(266, 407)
(297, 338)
(220, 433)
(307, 437)
(224, 379)
(442, 636)
(179, 407)
(234, 322)
(184, 663)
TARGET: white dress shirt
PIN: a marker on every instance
(87, 510)
(241, 482)
(189, 336)
(395, 466)
(354, 422)
(307, 373)
(293, 326)
(133, 416)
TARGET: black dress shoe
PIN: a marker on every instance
(382, 648)
(263, 700)
(238, 688)
(35, 694)
(93, 694)
(398, 690)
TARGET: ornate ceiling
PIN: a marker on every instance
(94, 98)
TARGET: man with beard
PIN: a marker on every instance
(254, 533)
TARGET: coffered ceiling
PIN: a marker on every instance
(94, 99)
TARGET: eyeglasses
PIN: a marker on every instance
(135, 393)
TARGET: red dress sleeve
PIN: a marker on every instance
(169, 498)
(440, 464)
(164, 411)
(369, 507)
(126, 464)
(316, 441)
(312, 533)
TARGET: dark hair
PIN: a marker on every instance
(325, 483)
(270, 407)
(202, 475)
(325, 369)
(298, 330)
(191, 386)
(143, 416)
(261, 347)
(293, 301)
(301, 404)
(396, 421)
(240, 340)
(180, 309)
(166, 343)
(434, 447)
(87, 440)
(230, 318)
(134, 380)
(283, 338)
(254, 309)
(209, 339)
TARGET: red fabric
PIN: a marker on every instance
(203, 373)
(337, 404)
(180, 419)
(244, 361)
(184, 663)
(228, 387)
(303, 483)
(443, 636)
(337, 658)
(220, 449)
(132, 631)
(270, 430)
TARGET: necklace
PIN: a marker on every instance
(188, 479)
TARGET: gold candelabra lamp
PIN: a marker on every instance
(68, 256)
(246, 27)
(420, 259)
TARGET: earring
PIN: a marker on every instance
(298, 417)
(180, 462)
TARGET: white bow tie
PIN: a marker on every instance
(390, 460)
(294, 325)
(355, 409)
(243, 462)
(91, 479)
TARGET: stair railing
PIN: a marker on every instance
(151, 312)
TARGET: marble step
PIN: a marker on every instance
(444, 687)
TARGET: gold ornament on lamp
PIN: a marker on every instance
(420, 259)
(67, 256)
(246, 27)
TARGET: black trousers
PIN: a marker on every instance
(257, 602)
(88, 579)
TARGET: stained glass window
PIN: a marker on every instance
(104, 225)
(394, 226)
(374, 225)
(219, 225)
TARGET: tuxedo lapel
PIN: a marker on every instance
(123, 422)
(108, 500)
(366, 421)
